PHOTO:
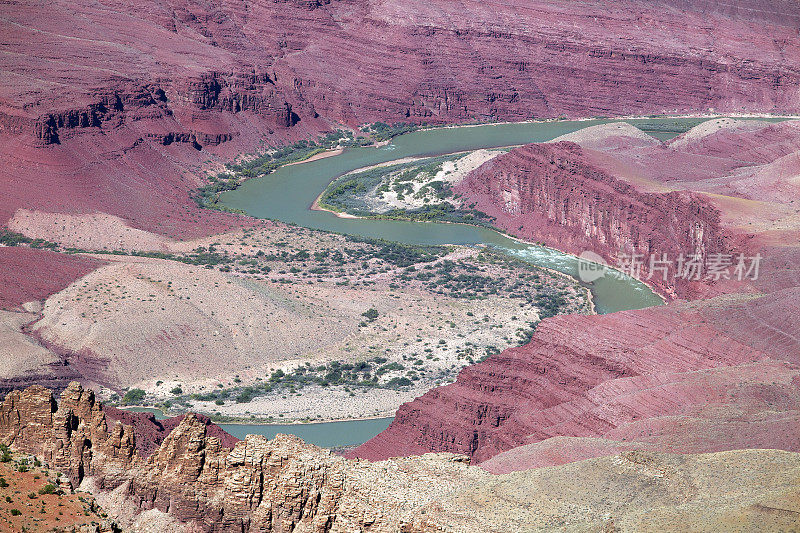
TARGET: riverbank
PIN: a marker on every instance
(622, 118)
(160, 414)
(316, 157)
(590, 298)
(280, 198)
(318, 205)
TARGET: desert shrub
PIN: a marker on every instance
(133, 396)
(48, 489)
(370, 314)
(399, 382)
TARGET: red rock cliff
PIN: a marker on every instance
(110, 101)
(672, 378)
(551, 193)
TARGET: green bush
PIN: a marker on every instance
(15, 512)
(399, 382)
(370, 314)
(133, 396)
(48, 489)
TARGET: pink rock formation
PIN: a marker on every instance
(28, 274)
(662, 376)
(746, 159)
(198, 484)
(552, 193)
(115, 106)
(150, 432)
(708, 375)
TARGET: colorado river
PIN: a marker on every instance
(288, 193)
(324, 434)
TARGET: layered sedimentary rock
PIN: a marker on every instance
(667, 378)
(108, 102)
(554, 194)
(748, 159)
(193, 483)
(709, 375)
(151, 432)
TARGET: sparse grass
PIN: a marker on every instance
(356, 192)
(273, 158)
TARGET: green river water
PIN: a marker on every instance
(288, 193)
(324, 434)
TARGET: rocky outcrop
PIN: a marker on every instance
(631, 492)
(747, 159)
(108, 108)
(128, 102)
(72, 437)
(551, 193)
(234, 93)
(151, 432)
(193, 483)
(281, 484)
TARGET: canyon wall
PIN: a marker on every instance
(114, 107)
(193, 483)
(711, 374)
(666, 378)
(552, 193)
(289, 61)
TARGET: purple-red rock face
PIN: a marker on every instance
(552, 193)
(665, 378)
(30, 274)
(111, 106)
(747, 159)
